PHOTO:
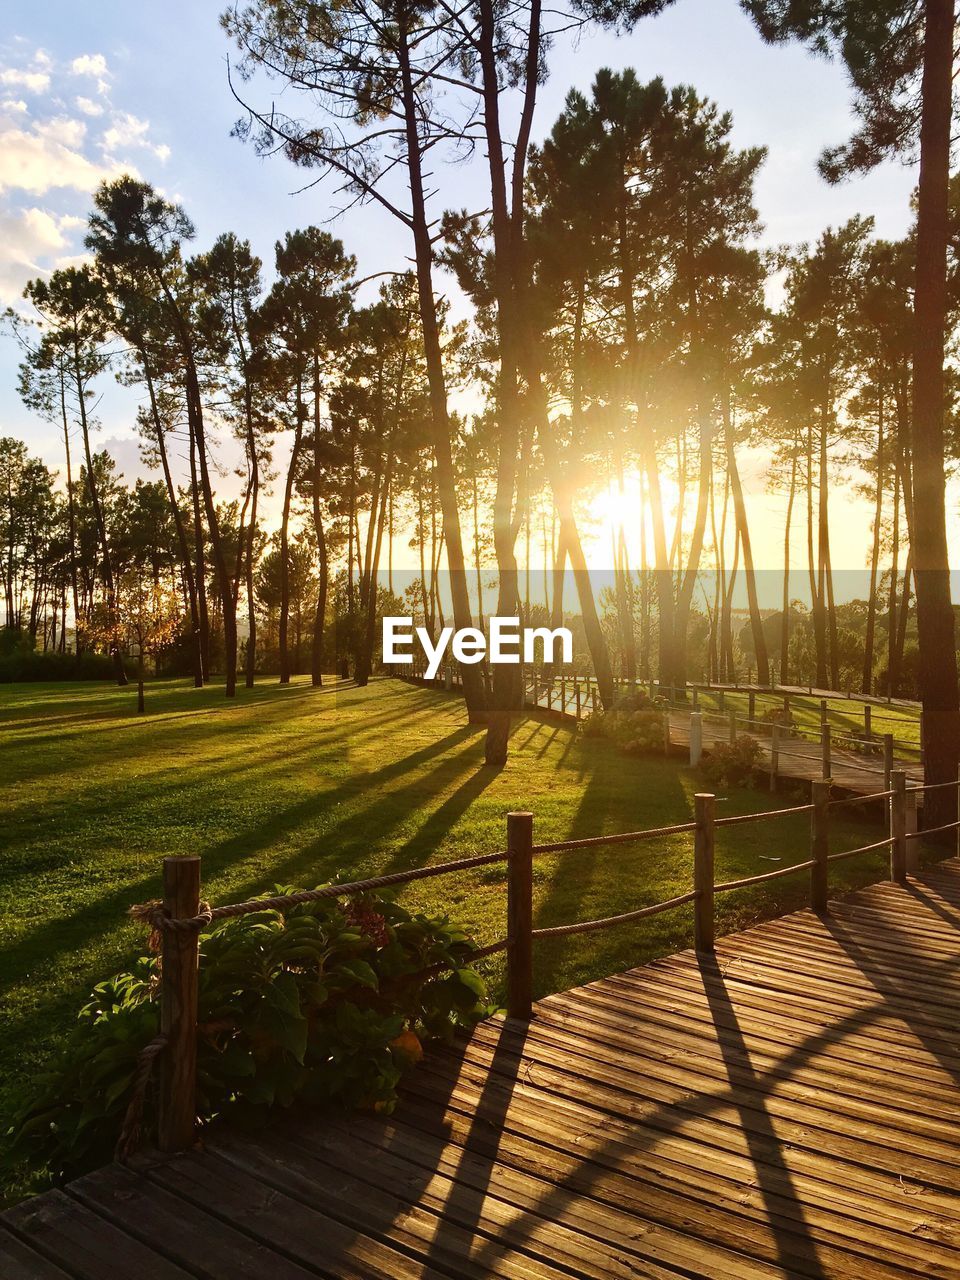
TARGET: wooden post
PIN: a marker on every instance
(786, 706)
(666, 731)
(178, 1006)
(751, 705)
(696, 738)
(825, 752)
(703, 845)
(774, 756)
(887, 760)
(549, 693)
(520, 915)
(898, 826)
(823, 714)
(819, 844)
(563, 695)
(867, 720)
(577, 690)
(595, 699)
(913, 846)
(733, 727)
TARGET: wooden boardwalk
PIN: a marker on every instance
(788, 1106)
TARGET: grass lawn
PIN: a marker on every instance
(844, 715)
(288, 786)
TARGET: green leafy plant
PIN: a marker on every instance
(635, 724)
(328, 1002)
(731, 763)
(784, 719)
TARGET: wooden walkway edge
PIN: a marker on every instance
(787, 1106)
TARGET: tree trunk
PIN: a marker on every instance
(283, 641)
(935, 621)
(473, 690)
(866, 683)
(740, 516)
(785, 626)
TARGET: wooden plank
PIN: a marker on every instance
(438, 1184)
(190, 1235)
(306, 1232)
(653, 1242)
(85, 1244)
(18, 1261)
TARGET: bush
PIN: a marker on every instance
(785, 719)
(731, 763)
(21, 660)
(325, 1003)
(635, 732)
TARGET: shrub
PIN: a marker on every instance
(325, 1003)
(778, 716)
(731, 763)
(635, 732)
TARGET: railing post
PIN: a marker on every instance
(898, 826)
(733, 727)
(594, 698)
(577, 689)
(823, 714)
(703, 846)
(819, 845)
(178, 1006)
(913, 846)
(519, 915)
(774, 756)
(867, 720)
(666, 731)
(752, 705)
(825, 761)
(696, 738)
(887, 760)
(563, 695)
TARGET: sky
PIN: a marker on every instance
(91, 90)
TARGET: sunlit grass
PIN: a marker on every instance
(844, 715)
(292, 785)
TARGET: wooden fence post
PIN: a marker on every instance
(733, 727)
(751, 705)
(774, 756)
(703, 846)
(786, 707)
(823, 714)
(867, 720)
(666, 731)
(819, 844)
(912, 825)
(594, 699)
(696, 738)
(563, 695)
(178, 1006)
(887, 760)
(519, 915)
(825, 761)
(577, 689)
(898, 826)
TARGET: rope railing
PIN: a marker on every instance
(864, 848)
(777, 874)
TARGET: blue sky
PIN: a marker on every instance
(87, 90)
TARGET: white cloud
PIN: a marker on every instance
(40, 159)
(43, 60)
(89, 107)
(29, 238)
(13, 106)
(89, 64)
(32, 81)
(69, 133)
(128, 131)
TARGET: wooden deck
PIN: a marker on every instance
(786, 1107)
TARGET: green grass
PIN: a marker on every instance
(844, 715)
(289, 786)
